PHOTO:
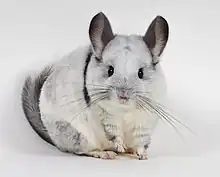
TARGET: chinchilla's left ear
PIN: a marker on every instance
(100, 33)
(156, 37)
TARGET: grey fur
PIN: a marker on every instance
(157, 35)
(111, 128)
(146, 146)
(100, 33)
(30, 102)
(68, 139)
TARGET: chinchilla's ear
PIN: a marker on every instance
(100, 33)
(156, 37)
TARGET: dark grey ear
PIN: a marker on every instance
(100, 33)
(156, 36)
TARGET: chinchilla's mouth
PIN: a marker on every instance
(123, 100)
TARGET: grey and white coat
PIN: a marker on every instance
(92, 102)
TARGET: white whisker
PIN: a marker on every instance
(154, 107)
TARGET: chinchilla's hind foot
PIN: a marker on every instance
(102, 154)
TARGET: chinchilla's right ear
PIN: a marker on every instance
(156, 37)
(100, 33)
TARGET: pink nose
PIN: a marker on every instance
(122, 95)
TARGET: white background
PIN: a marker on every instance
(35, 32)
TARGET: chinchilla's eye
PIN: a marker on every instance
(140, 73)
(110, 71)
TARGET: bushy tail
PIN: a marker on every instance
(30, 102)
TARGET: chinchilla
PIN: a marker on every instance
(101, 99)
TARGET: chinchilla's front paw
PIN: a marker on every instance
(119, 145)
(142, 153)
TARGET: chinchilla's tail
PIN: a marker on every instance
(30, 102)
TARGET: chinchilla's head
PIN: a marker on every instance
(124, 69)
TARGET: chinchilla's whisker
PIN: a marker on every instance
(164, 117)
(96, 85)
(82, 98)
(87, 106)
(150, 102)
(140, 92)
(93, 89)
(144, 106)
(175, 119)
(90, 84)
(71, 102)
(161, 116)
(97, 89)
(90, 104)
(139, 105)
(162, 109)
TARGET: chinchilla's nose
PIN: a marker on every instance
(123, 94)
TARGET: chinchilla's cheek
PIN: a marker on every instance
(158, 85)
(112, 95)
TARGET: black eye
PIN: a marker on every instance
(140, 73)
(110, 71)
